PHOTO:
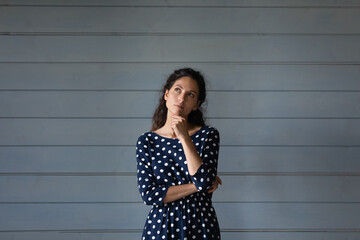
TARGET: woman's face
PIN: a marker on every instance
(182, 98)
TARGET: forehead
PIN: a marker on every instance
(187, 83)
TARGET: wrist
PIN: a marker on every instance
(184, 138)
(194, 188)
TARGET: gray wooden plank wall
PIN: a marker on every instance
(79, 81)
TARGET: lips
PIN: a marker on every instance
(179, 106)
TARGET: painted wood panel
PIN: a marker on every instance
(185, 49)
(112, 160)
(290, 149)
(231, 234)
(150, 76)
(235, 188)
(268, 132)
(250, 216)
(70, 235)
(179, 20)
(233, 105)
(189, 3)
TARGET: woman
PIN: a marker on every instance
(177, 163)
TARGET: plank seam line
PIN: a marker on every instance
(221, 145)
(102, 174)
(140, 34)
(140, 230)
(181, 6)
(280, 63)
(215, 202)
(159, 90)
(209, 118)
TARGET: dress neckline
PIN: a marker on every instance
(177, 138)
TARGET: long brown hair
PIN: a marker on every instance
(195, 117)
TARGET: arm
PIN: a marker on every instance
(205, 176)
(176, 192)
(192, 157)
(203, 170)
(151, 192)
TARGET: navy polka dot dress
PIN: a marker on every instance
(161, 163)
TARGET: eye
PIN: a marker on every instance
(191, 95)
(177, 90)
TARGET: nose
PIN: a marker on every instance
(181, 98)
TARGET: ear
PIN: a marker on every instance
(166, 94)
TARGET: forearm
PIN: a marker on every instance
(192, 157)
(179, 191)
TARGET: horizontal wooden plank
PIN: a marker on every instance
(233, 159)
(151, 76)
(311, 216)
(68, 159)
(125, 131)
(66, 235)
(288, 159)
(289, 132)
(293, 235)
(116, 235)
(72, 216)
(143, 103)
(287, 216)
(161, 20)
(180, 49)
(234, 189)
(190, 3)
(325, 132)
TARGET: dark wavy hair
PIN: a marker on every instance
(195, 117)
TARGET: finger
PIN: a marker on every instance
(175, 121)
(219, 180)
(174, 124)
(178, 117)
(214, 187)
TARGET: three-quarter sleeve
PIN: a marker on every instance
(206, 174)
(151, 192)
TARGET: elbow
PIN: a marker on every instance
(153, 195)
(152, 200)
(204, 183)
(148, 200)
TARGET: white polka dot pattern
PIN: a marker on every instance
(161, 163)
(206, 174)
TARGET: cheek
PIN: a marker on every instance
(171, 97)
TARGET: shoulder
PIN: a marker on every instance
(210, 130)
(143, 138)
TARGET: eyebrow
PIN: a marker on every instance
(183, 88)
